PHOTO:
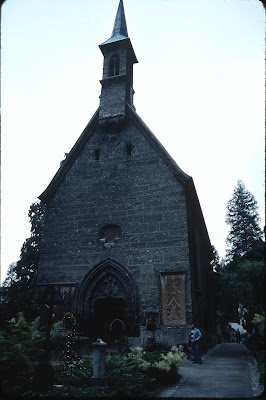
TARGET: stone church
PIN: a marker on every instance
(124, 240)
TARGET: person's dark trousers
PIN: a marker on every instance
(193, 350)
(197, 353)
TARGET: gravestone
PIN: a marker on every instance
(98, 379)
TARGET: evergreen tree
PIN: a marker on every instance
(20, 344)
(22, 275)
(216, 262)
(241, 282)
(245, 235)
(11, 275)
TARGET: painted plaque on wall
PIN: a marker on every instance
(173, 299)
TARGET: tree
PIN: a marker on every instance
(245, 235)
(22, 275)
(243, 292)
(216, 262)
(241, 280)
(20, 344)
(218, 276)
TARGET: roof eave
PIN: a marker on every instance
(119, 39)
(180, 175)
(193, 200)
(49, 191)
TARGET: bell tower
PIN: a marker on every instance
(117, 81)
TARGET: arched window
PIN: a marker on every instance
(114, 65)
(110, 234)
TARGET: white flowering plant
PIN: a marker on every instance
(175, 356)
(138, 355)
(162, 365)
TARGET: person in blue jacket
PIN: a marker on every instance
(196, 337)
(191, 344)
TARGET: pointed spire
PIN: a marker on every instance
(120, 25)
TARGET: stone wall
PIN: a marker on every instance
(118, 180)
(116, 89)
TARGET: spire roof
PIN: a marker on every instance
(120, 26)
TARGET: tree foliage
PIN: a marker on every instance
(240, 280)
(243, 292)
(20, 344)
(22, 275)
(216, 262)
(243, 219)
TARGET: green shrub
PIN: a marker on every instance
(260, 358)
(73, 373)
(163, 377)
(66, 392)
(19, 344)
(254, 342)
(157, 347)
(127, 375)
(259, 322)
(124, 376)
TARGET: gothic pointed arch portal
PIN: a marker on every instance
(108, 302)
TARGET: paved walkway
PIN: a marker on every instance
(228, 370)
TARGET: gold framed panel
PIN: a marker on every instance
(173, 288)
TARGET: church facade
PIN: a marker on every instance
(124, 239)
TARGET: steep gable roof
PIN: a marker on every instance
(180, 175)
(71, 157)
(195, 217)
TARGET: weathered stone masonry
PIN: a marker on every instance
(124, 237)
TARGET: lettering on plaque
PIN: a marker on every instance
(173, 299)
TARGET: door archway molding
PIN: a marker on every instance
(108, 279)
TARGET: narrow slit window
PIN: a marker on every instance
(114, 66)
(97, 154)
(129, 149)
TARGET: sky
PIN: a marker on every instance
(199, 86)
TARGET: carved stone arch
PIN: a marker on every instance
(107, 292)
